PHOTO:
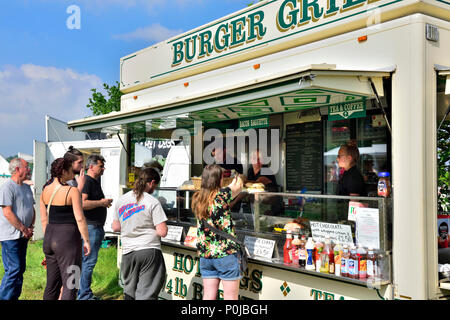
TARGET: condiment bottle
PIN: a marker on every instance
(309, 255)
(294, 250)
(344, 261)
(337, 259)
(325, 256)
(353, 264)
(331, 260)
(384, 184)
(319, 248)
(302, 254)
(371, 264)
(362, 263)
(287, 258)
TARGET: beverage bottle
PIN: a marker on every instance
(302, 254)
(325, 256)
(287, 258)
(319, 248)
(331, 259)
(362, 263)
(353, 264)
(309, 254)
(295, 254)
(337, 259)
(344, 261)
(371, 264)
(384, 184)
(382, 265)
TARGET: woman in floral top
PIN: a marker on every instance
(218, 256)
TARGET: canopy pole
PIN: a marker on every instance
(380, 105)
(120, 139)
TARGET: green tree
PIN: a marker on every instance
(99, 104)
(443, 158)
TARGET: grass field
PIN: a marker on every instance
(104, 279)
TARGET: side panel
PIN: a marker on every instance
(262, 282)
(436, 53)
(111, 180)
(39, 179)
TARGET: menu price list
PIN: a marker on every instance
(304, 156)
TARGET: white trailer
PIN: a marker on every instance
(318, 52)
(59, 138)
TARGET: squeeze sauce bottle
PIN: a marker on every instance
(294, 250)
(309, 254)
(362, 262)
(287, 258)
(371, 264)
(344, 261)
(302, 254)
(337, 259)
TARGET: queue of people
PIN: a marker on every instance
(73, 214)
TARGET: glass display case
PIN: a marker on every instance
(360, 222)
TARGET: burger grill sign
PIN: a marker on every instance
(261, 26)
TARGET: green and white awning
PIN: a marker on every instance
(305, 90)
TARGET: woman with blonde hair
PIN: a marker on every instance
(219, 259)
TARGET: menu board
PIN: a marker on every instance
(304, 154)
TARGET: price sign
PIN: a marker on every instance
(174, 233)
(259, 246)
(337, 232)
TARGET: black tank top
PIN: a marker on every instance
(62, 214)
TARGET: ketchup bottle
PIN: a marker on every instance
(287, 249)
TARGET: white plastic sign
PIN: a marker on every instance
(174, 233)
(259, 247)
(337, 232)
(368, 228)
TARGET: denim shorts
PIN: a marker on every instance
(226, 268)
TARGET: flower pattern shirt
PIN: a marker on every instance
(210, 245)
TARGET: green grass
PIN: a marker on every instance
(104, 279)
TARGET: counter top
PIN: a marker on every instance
(277, 263)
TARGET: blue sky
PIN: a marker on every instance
(47, 68)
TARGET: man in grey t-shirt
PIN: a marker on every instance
(16, 227)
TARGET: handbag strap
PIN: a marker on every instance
(221, 233)
(51, 198)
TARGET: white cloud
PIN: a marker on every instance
(29, 92)
(152, 33)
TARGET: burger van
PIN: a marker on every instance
(303, 78)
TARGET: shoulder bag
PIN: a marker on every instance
(243, 251)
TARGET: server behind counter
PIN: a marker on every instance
(351, 183)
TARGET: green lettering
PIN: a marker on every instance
(192, 40)
(178, 54)
(178, 262)
(237, 33)
(222, 43)
(256, 284)
(284, 25)
(191, 267)
(316, 8)
(316, 294)
(331, 8)
(328, 296)
(198, 291)
(256, 28)
(205, 43)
